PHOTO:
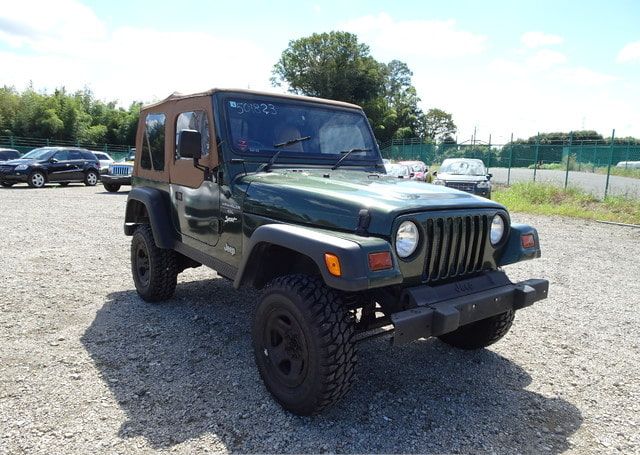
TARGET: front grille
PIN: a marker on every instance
(469, 187)
(6, 169)
(455, 246)
(120, 170)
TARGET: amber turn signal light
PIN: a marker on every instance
(380, 261)
(528, 241)
(333, 264)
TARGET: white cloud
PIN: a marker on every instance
(425, 38)
(539, 39)
(629, 53)
(69, 46)
(545, 59)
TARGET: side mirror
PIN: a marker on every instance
(190, 145)
(53, 160)
(489, 176)
(434, 173)
(412, 175)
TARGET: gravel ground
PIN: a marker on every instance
(587, 181)
(87, 367)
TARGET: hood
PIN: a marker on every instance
(20, 161)
(333, 199)
(461, 178)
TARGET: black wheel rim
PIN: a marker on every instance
(285, 348)
(142, 265)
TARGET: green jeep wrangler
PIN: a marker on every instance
(289, 194)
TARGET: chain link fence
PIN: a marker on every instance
(26, 144)
(601, 167)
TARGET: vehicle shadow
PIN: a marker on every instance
(185, 368)
(110, 193)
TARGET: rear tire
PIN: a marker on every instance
(303, 341)
(91, 178)
(480, 334)
(111, 187)
(6, 184)
(155, 270)
(36, 179)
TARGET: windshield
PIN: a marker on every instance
(462, 167)
(264, 126)
(40, 154)
(397, 170)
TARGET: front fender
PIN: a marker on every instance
(352, 250)
(514, 252)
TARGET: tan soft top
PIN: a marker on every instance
(179, 96)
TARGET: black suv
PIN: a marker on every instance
(51, 164)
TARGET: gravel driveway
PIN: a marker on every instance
(87, 367)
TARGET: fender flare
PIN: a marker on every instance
(157, 205)
(314, 243)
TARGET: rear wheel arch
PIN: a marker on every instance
(150, 206)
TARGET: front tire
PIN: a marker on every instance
(155, 270)
(303, 341)
(91, 178)
(111, 187)
(480, 334)
(36, 179)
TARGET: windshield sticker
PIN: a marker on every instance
(253, 108)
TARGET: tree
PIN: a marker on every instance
(330, 65)
(336, 66)
(68, 116)
(437, 124)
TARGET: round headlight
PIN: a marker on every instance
(497, 229)
(407, 239)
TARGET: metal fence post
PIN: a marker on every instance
(626, 163)
(489, 165)
(566, 175)
(535, 163)
(510, 160)
(12, 141)
(606, 188)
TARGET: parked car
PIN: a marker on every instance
(105, 161)
(61, 165)
(419, 170)
(9, 154)
(119, 173)
(398, 170)
(464, 174)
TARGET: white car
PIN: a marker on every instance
(105, 161)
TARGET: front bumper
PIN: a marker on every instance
(436, 310)
(116, 179)
(14, 176)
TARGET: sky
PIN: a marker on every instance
(499, 67)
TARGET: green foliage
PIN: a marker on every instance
(546, 199)
(75, 116)
(437, 124)
(335, 65)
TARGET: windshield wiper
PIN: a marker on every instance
(346, 153)
(292, 141)
(266, 166)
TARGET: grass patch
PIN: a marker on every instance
(545, 199)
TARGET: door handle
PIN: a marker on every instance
(178, 195)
